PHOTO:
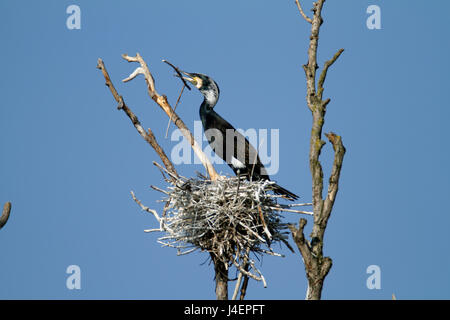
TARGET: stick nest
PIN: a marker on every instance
(229, 217)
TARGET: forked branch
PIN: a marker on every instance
(148, 136)
(161, 100)
(316, 265)
(300, 9)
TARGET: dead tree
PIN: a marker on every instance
(228, 217)
(5, 214)
(316, 264)
(161, 100)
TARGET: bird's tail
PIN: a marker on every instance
(283, 192)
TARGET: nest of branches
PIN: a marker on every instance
(229, 217)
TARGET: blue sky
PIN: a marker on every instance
(69, 158)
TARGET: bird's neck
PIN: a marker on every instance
(210, 98)
(205, 110)
(207, 106)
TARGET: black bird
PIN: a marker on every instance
(225, 140)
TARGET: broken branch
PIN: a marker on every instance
(308, 19)
(148, 136)
(161, 100)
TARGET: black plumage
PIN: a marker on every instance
(228, 143)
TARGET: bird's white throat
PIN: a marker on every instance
(210, 97)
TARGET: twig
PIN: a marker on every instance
(292, 210)
(143, 70)
(323, 75)
(178, 71)
(185, 85)
(244, 286)
(239, 279)
(153, 230)
(155, 214)
(263, 222)
(249, 274)
(160, 190)
(174, 109)
(302, 13)
(297, 205)
(171, 174)
(333, 185)
(133, 75)
(300, 239)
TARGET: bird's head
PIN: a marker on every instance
(206, 85)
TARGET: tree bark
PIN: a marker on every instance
(316, 265)
(221, 277)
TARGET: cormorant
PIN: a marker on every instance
(225, 140)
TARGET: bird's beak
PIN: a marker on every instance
(190, 78)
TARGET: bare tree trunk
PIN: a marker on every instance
(221, 277)
(317, 266)
(5, 214)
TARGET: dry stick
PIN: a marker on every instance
(237, 286)
(5, 214)
(249, 274)
(238, 282)
(160, 190)
(246, 278)
(148, 136)
(244, 285)
(302, 13)
(174, 109)
(185, 85)
(292, 210)
(161, 100)
(297, 205)
(263, 222)
(316, 265)
(156, 164)
(323, 75)
(178, 71)
(145, 208)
